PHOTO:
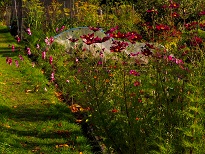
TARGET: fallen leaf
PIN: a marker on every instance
(59, 124)
(61, 145)
(36, 149)
(27, 90)
(2, 83)
(75, 108)
(7, 126)
(78, 121)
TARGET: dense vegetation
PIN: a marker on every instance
(132, 107)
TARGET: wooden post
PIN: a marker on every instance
(19, 14)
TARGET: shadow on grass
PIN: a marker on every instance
(41, 113)
(6, 52)
(4, 30)
(47, 118)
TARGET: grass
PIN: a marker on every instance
(32, 119)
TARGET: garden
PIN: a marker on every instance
(132, 73)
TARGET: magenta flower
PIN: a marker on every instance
(104, 39)
(202, 25)
(118, 35)
(37, 46)
(101, 53)
(51, 40)
(162, 27)
(28, 51)
(21, 58)
(174, 5)
(134, 54)
(174, 60)
(18, 39)
(164, 6)
(88, 39)
(112, 30)
(196, 41)
(57, 29)
(170, 58)
(43, 55)
(17, 63)
(51, 60)
(192, 25)
(52, 76)
(62, 28)
(152, 11)
(118, 46)
(73, 40)
(174, 14)
(135, 73)
(178, 61)
(136, 83)
(9, 60)
(94, 29)
(13, 48)
(146, 52)
(133, 37)
(28, 30)
(47, 41)
(99, 62)
(202, 13)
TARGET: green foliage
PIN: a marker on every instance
(159, 111)
(32, 119)
(34, 13)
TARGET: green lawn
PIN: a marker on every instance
(32, 119)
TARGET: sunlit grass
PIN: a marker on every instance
(32, 119)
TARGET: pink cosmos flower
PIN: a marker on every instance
(62, 28)
(174, 14)
(94, 29)
(134, 54)
(21, 58)
(28, 51)
(162, 27)
(73, 40)
(17, 63)
(37, 46)
(152, 11)
(173, 5)
(51, 60)
(18, 39)
(47, 41)
(88, 39)
(196, 41)
(99, 62)
(135, 73)
(52, 76)
(43, 55)
(136, 83)
(13, 48)
(51, 40)
(112, 30)
(202, 13)
(118, 46)
(9, 60)
(28, 30)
